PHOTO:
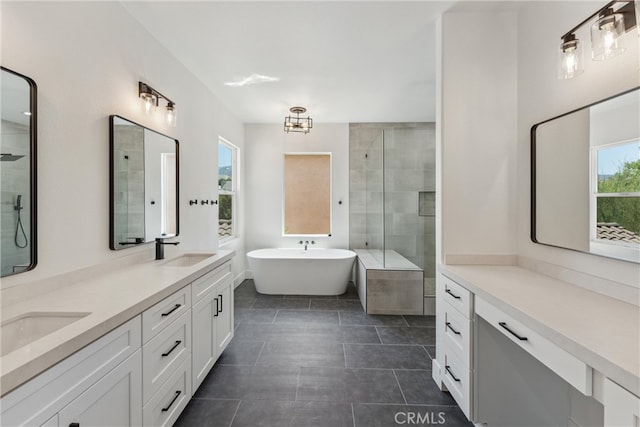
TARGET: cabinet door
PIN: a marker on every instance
(203, 341)
(224, 317)
(621, 408)
(115, 400)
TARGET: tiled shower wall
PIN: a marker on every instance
(129, 183)
(14, 176)
(409, 190)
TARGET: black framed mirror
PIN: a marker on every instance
(585, 179)
(18, 167)
(143, 177)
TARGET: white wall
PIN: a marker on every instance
(264, 162)
(542, 96)
(87, 59)
(476, 133)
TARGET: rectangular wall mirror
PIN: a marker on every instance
(143, 184)
(307, 194)
(585, 179)
(18, 100)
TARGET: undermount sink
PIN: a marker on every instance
(26, 328)
(187, 260)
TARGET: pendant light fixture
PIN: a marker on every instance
(297, 123)
(606, 42)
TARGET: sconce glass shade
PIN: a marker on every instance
(172, 114)
(605, 36)
(570, 58)
(149, 102)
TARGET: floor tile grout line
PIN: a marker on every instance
(295, 398)
(264, 343)
(400, 387)
(235, 413)
(379, 337)
(344, 352)
(353, 415)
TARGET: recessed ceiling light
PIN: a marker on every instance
(252, 80)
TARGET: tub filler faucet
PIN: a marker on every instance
(306, 243)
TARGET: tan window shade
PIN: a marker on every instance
(307, 194)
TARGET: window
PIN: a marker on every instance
(307, 194)
(227, 189)
(615, 202)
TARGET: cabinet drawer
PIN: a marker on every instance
(205, 284)
(166, 405)
(458, 297)
(567, 366)
(163, 313)
(164, 353)
(457, 378)
(457, 334)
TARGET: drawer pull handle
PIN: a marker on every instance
(452, 294)
(217, 308)
(504, 326)
(171, 349)
(451, 374)
(221, 306)
(175, 307)
(172, 401)
(74, 425)
(452, 330)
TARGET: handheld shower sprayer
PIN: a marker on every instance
(19, 227)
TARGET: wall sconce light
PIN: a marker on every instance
(297, 123)
(606, 40)
(150, 99)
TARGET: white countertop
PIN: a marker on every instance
(603, 332)
(112, 299)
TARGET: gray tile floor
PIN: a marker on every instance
(321, 361)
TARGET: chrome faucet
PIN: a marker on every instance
(160, 246)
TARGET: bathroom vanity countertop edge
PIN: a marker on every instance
(112, 299)
(601, 331)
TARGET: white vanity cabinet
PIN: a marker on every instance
(140, 373)
(512, 351)
(212, 312)
(455, 338)
(98, 385)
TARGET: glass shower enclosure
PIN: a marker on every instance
(392, 194)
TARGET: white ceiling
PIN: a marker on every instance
(345, 61)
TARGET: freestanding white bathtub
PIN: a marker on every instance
(299, 272)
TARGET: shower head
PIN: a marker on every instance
(8, 157)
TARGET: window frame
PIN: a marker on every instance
(233, 193)
(620, 250)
